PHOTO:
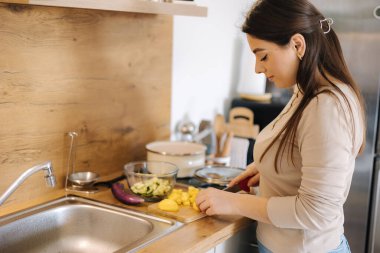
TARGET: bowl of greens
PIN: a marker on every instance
(151, 180)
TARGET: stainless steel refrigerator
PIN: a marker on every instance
(357, 24)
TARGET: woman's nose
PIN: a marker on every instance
(259, 69)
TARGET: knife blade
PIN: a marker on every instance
(242, 185)
(234, 188)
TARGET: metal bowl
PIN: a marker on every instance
(83, 178)
(217, 174)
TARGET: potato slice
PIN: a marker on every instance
(179, 197)
(168, 205)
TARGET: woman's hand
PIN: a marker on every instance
(217, 202)
(252, 172)
(212, 201)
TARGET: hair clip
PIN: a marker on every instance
(329, 22)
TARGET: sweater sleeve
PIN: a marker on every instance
(324, 138)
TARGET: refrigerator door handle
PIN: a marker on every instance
(374, 235)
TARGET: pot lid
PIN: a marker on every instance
(217, 174)
(176, 148)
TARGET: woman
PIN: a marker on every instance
(304, 159)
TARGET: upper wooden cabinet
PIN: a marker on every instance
(139, 6)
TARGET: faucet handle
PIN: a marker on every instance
(49, 175)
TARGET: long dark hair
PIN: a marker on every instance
(277, 21)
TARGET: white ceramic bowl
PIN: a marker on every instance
(187, 156)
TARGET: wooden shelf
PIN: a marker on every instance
(139, 6)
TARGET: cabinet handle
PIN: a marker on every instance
(255, 245)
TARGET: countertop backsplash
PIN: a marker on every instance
(105, 75)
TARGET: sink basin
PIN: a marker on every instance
(75, 224)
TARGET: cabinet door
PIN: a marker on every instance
(243, 242)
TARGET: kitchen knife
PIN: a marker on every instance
(110, 182)
(242, 185)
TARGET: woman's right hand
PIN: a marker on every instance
(252, 172)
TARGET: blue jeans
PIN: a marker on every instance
(262, 248)
(342, 248)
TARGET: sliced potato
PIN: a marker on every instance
(168, 205)
(180, 197)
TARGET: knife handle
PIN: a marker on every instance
(243, 184)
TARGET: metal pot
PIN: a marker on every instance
(186, 155)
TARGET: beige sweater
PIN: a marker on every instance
(306, 198)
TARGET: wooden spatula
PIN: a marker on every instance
(226, 150)
(219, 125)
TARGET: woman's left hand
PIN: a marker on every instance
(212, 201)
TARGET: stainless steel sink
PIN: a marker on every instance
(74, 224)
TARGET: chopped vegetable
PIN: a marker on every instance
(180, 197)
(168, 205)
(153, 187)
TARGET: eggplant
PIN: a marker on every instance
(123, 196)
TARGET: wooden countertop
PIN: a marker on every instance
(196, 236)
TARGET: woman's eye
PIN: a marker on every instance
(264, 58)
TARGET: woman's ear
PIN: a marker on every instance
(298, 42)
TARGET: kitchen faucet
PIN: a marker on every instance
(49, 177)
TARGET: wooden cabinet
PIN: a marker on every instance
(138, 6)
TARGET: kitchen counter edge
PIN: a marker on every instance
(197, 236)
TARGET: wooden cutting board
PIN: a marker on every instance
(185, 214)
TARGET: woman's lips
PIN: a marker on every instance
(270, 78)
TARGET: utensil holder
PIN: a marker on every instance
(78, 181)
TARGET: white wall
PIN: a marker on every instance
(210, 60)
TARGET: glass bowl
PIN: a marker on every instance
(152, 180)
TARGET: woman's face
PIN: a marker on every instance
(278, 63)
